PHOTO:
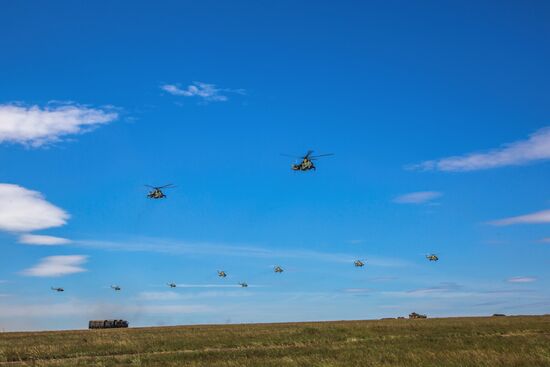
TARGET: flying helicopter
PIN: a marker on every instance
(116, 288)
(432, 257)
(278, 269)
(222, 274)
(58, 289)
(171, 285)
(358, 263)
(307, 161)
(156, 192)
(243, 285)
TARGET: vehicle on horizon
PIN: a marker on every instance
(107, 324)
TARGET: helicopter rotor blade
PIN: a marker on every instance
(321, 155)
(166, 186)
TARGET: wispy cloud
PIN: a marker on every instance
(419, 197)
(533, 218)
(521, 280)
(23, 210)
(35, 126)
(545, 240)
(185, 248)
(42, 240)
(535, 148)
(55, 266)
(207, 92)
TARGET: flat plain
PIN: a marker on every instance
(460, 342)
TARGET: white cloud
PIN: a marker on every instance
(521, 280)
(42, 240)
(545, 240)
(35, 126)
(417, 197)
(23, 210)
(535, 148)
(208, 92)
(54, 266)
(533, 218)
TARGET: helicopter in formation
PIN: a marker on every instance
(243, 285)
(222, 274)
(171, 285)
(116, 288)
(156, 192)
(358, 263)
(58, 289)
(432, 257)
(278, 269)
(306, 163)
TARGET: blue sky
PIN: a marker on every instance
(438, 116)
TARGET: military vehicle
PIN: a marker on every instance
(243, 285)
(306, 163)
(171, 285)
(107, 324)
(358, 263)
(278, 269)
(156, 192)
(116, 288)
(222, 274)
(58, 289)
(415, 315)
(432, 257)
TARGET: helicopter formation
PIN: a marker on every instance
(305, 164)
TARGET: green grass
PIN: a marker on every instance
(460, 342)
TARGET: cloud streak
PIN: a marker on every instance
(207, 92)
(535, 148)
(23, 210)
(56, 266)
(533, 218)
(419, 197)
(521, 280)
(42, 240)
(36, 126)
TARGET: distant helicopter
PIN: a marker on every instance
(222, 274)
(307, 161)
(243, 285)
(116, 288)
(171, 285)
(278, 269)
(157, 193)
(358, 263)
(432, 257)
(58, 289)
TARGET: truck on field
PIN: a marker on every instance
(107, 324)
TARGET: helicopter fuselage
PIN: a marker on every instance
(305, 165)
(156, 194)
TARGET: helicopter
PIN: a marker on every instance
(222, 274)
(358, 263)
(432, 257)
(307, 161)
(171, 285)
(243, 285)
(156, 192)
(58, 289)
(278, 269)
(116, 288)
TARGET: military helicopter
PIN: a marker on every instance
(358, 263)
(307, 161)
(116, 288)
(171, 285)
(243, 285)
(222, 274)
(58, 289)
(432, 257)
(156, 192)
(278, 269)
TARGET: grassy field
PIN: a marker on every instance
(460, 342)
